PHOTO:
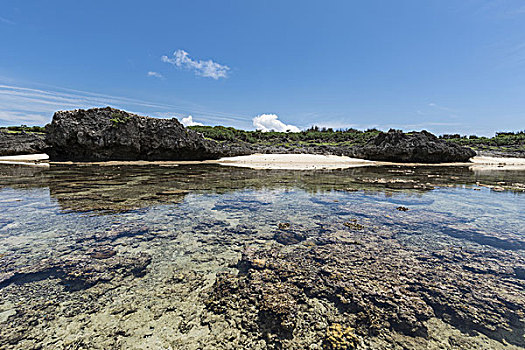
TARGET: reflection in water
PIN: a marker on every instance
(207, 257)
(120, 188)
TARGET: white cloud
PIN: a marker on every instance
(271, 122)
(155, 75)
(188, 121)
(207, 68)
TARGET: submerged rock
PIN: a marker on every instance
(417, 147)
(102, 134)
(377, 288)
(339, 338)
(289, 237)
(20, 143)
(77, 270)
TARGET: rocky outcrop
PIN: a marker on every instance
(12, 144)
(102, 134)
(417, 147)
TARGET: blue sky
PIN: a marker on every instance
(445, 66)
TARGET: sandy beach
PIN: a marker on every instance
(314, 161)
(294, 161)
(25, 158)
(497, 163)
(284, 161)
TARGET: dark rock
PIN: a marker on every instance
(354, 225)
(102, 253)
(284, 225)
(12, 144)
(420, 147)
(519, 271)
(77, 270)
(289, 237)
(101, 134)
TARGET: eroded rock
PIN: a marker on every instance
(414, 147)
(12, 144)
(102, 134)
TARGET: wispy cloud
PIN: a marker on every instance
(6, 21)
(271, 122)
(209, 68)
(35, 106)
(512, 55)
(449, 112)
(155, 75)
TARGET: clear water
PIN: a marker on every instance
(64, 229)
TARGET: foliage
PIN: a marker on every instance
(118, 118)
(24, 128)
(506, 140)
(311, 136)
(316, 136)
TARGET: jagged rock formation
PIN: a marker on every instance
(101, 134)
(20, 143)
(417, 147)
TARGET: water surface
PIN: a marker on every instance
(211, 257)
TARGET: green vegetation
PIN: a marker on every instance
(503, 141)
(314, 136)
(118, 118)
(23, 128)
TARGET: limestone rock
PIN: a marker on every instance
(417, 147)
(20, 143)
(102, 134)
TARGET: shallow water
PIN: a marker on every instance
(206, 257)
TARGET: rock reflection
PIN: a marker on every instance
(113, 189)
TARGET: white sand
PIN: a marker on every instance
(30, 164)
(25, 158)
(496, 163)
(294, 161)
(498, 160)
(288, 161)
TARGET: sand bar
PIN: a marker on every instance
(294, 161)
(498, 160)
(30, 158)
(282, 161)
(483, 164)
